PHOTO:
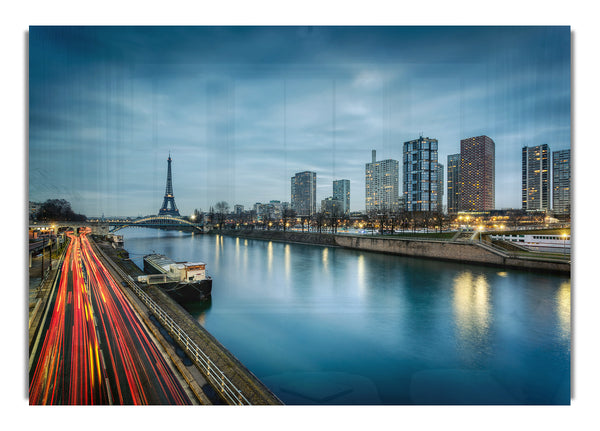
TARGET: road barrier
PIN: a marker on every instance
(211, 371)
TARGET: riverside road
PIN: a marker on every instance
(94, 349)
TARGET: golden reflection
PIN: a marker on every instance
(217, 250)
(563, 309)
(287, 259)
(472, 308)
(360, 266)
(237, 250)
(325, 259)
(270, 256)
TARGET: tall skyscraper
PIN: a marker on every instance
(381, 184)
(420, 175)
(453, 183)
(561, 182)
(341, 192)
(440, 187)
(477, 174)
(535, 178)
(304, 193)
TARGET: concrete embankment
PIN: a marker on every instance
(243, 379)
(468, 252)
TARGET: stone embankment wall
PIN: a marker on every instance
(326, 239)
(463, 252)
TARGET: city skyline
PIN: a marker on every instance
(241, 109)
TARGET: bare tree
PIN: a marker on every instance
(222, 211)
(319, 220)
(287, 214)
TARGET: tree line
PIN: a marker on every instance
(57, 210)
(382, 220)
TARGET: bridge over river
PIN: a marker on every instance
(103, 227)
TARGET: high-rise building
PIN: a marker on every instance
(477, 174)
(304, 193)
(420, 175)
(453, 183)
(381, 184)
(238, 209)
(535, 178)
(440, 187)
(561, 182)
(331, 207)
(341, 192)
(276, 208)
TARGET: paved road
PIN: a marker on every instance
(95, 350)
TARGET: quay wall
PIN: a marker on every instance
(456, 251)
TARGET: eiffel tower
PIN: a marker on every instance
(168, 206)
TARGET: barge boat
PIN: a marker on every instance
(186, 281)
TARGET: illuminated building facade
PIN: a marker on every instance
(440, 187)
(341, 193)
(420, 175)
(561, 182)
(535, 190)
(381, 184)
(477, 174)
(331, 207)
(453, 183)
(304, 193)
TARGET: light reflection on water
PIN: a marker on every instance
(406, 329)
(325, 260)
(563, 309)
(270, 256)
(361, 274)
(472, 312)
(288, 262)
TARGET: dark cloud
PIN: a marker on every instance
(241, 109)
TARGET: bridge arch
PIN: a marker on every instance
(155, 221)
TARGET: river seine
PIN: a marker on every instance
(330, 326)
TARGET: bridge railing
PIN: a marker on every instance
(211, 371)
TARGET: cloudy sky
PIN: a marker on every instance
(241, 109)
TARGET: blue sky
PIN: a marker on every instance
(241, 109)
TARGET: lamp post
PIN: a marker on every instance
(564, 235)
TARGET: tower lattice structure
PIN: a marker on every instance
(168, 206)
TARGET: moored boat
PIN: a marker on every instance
(186, 281)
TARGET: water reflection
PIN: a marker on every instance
(472, 315)
(270, 257)
(383, 317)
(200, 309)
(360, 274)
(287, 259)
(217, 249)
(563, 309)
